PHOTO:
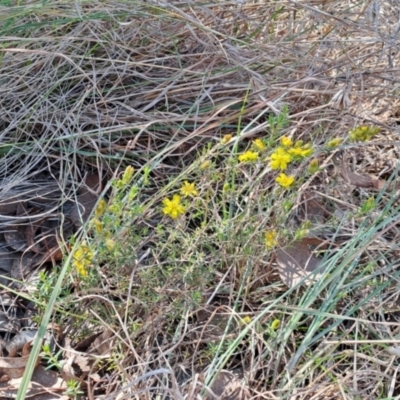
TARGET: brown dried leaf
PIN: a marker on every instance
(14, 367)
(44, 385)
(296, 261)
(8, 207)
(227, 386)
(22, 209)
(79, 361)
(214, 321)
(8, 257)
(87, 198)
(359, 180)
(31, 239)
(49, 233)
(7, 323)
(54, 254)
(103, 344)
(19, 341)
(84, 344)
(77, 367)
(15, 236)
(23, 265)
(312, 208)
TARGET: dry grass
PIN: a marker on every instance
(96, 86)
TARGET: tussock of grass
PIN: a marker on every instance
(105, 85)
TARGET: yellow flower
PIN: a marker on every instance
(301, 152)
(173, 207)
(259, 145)
(287, 142)
(110, 244)
(81, 269)
(188, 189)
(284, 180)
(206, 164)
(126, 178)
(333, 143)
(276, 323)
(296, 151)
(82, 258)
(248, 156)
(101, 208)
(307, 150)
(245, 320)
(271, 239)
(280, 159)
(98, 225)
(226, 138)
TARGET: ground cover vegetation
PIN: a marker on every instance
(199, 199)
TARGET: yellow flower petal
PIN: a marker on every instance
(188, 189)
(173, 208)
(271, 239)
(276, 323)
(301, 152)
(287, 142)
(82, 259)
(206, 164)
(98, 225)
(110, 244)
(259, 145)
(226, 138)
(248, 156)
(284, 180)
(245, 320)
(280, 159)
(101, 208)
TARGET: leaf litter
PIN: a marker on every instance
(297, 264)
(32, 238)
(295, 261)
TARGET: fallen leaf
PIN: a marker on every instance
(227, 386)
(296, 262)
(22, 209)
(78, 361)
(88, 195)
(14, 367)
(7, 323)
(8, 207)
(15, 236)
(76, 365)
(24, 264)
(103, 344)
(8, 257)
(44, 385)
(19, 341)
(312, 209)
(84, 344)
(49, 233)
(360, 180)
(53, 254)
(30, 236)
